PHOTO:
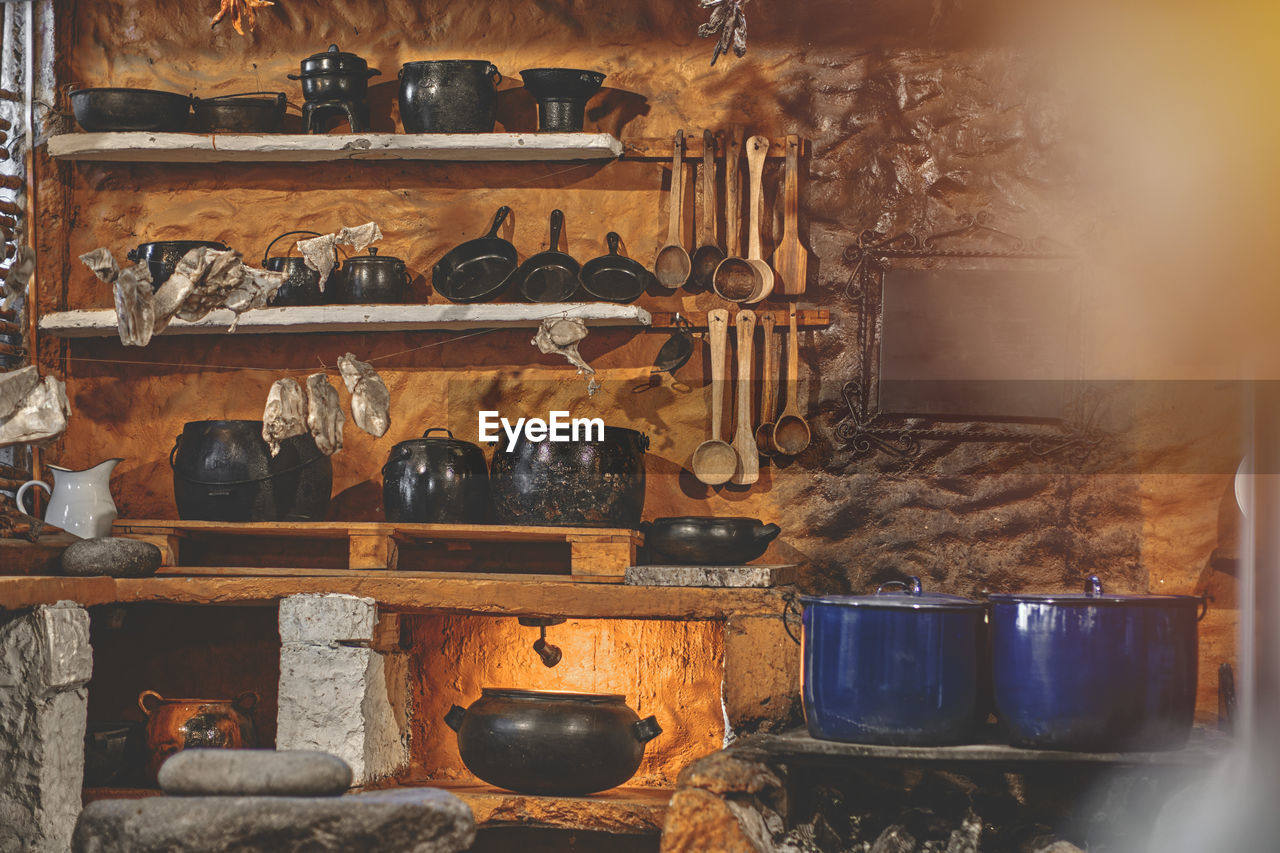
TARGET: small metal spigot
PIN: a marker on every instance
(551, 655)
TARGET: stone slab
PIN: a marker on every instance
(254, 772)
(327, 619)
(739, 577)
(110, 555)
(407, 820)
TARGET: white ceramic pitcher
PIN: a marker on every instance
(80, 501)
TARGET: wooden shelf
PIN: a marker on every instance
(405, 592)
(311, 148)
(359, 318)
(621, 811)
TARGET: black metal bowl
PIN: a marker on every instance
(562, 95)
(707, 540)
(251, 112)
(105, 110)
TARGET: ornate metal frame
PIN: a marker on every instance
(867, 429)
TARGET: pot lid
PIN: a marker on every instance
(910, 596)
(1093, 596)
(708, 519)
(552, 695)
(373, 258)
(428, 440)
(334, 60)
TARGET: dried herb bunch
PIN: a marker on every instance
(727, 19)
(243, 13)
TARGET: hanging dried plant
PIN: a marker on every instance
(243, 13)
(727, 19)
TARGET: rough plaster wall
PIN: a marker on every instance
(912, 126)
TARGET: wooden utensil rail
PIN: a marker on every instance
(659, 147)
(596, 553)
(812, 318)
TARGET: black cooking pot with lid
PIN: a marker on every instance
(302, 283)
(162, 256)
(1094, 671)
(335, 75)
(371, 278)
(436, 480)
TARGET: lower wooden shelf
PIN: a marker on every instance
(621, 811)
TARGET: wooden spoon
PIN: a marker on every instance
(708, 254)
(791, 432)
(735, 278)
(791, 259)
(757, 151)
(744, 440)
(764, 432)
(673, 264)
(715, 461)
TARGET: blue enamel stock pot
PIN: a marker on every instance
(1095, 672)
(900, 668)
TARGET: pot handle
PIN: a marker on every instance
(647, 729)
(373, 72)
(132, 255)
(768, 532)
(142, 701)
(246, 701)
(266, 253)
(791, 615)
(177, 443)
(444, 430)
(1204, 608)
(294, 76)
(492, 71)
(910, 586)
(453, 719)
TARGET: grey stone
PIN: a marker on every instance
(895, 839)
(110, 555)
(327, 619)
(407, 820)
(45, 662)
(254, 772)
(713, 576)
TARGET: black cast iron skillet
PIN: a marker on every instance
(477, 270)
(613, 277)
(550, 276)
(109, 109)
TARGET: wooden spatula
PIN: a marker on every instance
(791, 259)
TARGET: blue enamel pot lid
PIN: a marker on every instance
(907, 595)
(1093, 596)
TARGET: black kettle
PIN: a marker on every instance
(302, 283)
(435, 480)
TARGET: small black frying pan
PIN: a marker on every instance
(614, 277)
(550, 276)
(477, 270)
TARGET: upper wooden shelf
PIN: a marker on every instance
(359, 318)
(309, 148)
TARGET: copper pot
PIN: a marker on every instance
(175, 724)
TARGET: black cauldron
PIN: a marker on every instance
(302, 283)
(162, 256)
(335, 75)
(571, 483)
(449, 96)
(371, 279)
(436, 481)
(224, 471)
(565, 744)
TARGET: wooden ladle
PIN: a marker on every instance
(715, 461)
(764, 431)
(708, 254)
(757, 151)
(734, 279)
(791, 432)
(744, 440)
(673, 264)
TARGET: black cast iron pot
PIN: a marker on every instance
(109, 109)
(224, 471)
(562, 95)
(371, 278)
(302, 283)
(1095, 672)
(707, 540)
(335, 75)
(571, 483)
(449, 96)
(566, 744)
(249, 112)
(436, 481)
(162, 256)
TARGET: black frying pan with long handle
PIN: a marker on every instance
(550, 276)
(614, 277)
(477, 270)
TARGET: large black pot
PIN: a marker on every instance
(707, 540)
(162, 256)
(449, 96)
(110, 109)
(436, 481)
(302, 283)
(224, 471)
(895, 669)
(571, 483)
(371, 279)
(1095, 672)
(335, 75)
(565, 744)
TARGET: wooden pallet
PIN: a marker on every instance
(596, 553)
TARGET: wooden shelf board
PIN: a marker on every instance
(407, 592)
(142, 147)
(357, 318)
(341, 529)
(621, 811)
